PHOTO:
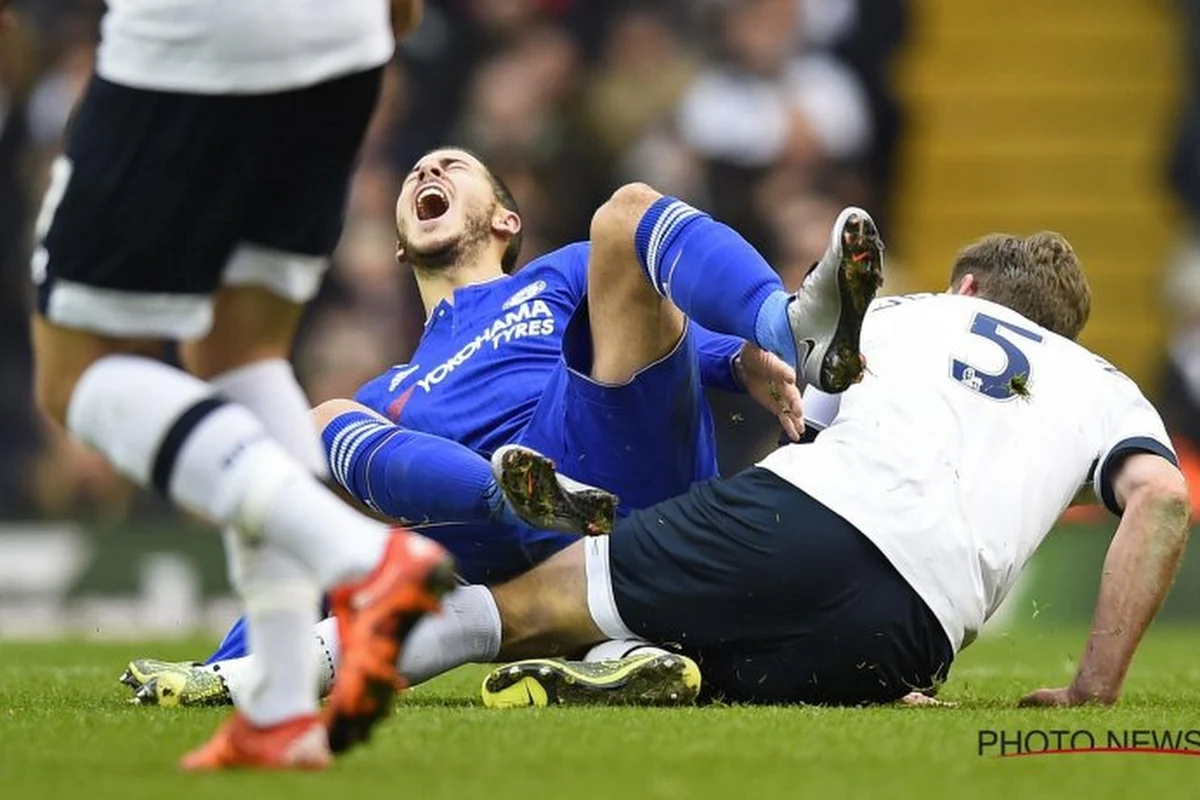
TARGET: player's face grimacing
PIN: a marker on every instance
(447, 207)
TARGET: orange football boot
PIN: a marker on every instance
(374, 616)
(298, 743)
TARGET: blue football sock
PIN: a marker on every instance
(772, 330)
(235, 644)
(714, 275)
(409, 475)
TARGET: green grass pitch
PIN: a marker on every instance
(65, 732)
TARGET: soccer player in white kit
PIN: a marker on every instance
(853, 569)
(199, 197)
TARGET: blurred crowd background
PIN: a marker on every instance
(770, 113)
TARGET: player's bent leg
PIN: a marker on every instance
(645, 439)
(721, 282)
(714, 275)
(632, 325)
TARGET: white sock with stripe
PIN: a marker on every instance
(616, 649)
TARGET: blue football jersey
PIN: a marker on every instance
(484, 360)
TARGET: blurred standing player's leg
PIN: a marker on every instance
(204, 209)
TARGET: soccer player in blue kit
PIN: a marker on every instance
(578, 356)
(563, 356)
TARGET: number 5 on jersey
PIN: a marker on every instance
(1013, 378)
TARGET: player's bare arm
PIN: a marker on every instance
(1142, 561)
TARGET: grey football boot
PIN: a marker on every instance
(548, 500)
(827, 312)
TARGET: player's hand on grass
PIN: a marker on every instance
(922, 700)
(1051, 698)
(773, 384)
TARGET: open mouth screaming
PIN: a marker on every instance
(431, 202)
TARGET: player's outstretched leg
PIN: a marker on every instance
(721, 282)
(655, 678)
(550, 501)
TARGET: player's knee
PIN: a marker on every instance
(617, 219)
(635, 197)
(330, 410)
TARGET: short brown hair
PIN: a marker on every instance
(1038, 276)
(504, 198)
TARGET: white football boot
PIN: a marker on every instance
(827, 312)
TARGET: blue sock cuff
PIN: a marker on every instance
(657, 228)
(347, 438)
(772, 330)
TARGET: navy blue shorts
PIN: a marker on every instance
(645, 440)
(778, 598)
(161, 197)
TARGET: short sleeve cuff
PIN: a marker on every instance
(1106, 471)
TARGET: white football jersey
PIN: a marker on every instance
(971, 433)
(240, 46)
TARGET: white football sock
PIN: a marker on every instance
(467, 630)
(162, 427)
(270, 389)
(280, 636)
(622, 648)
(243, 675)
(280, 593)
(328, 653)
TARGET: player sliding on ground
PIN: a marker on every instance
(853, 569)
(610, 387)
